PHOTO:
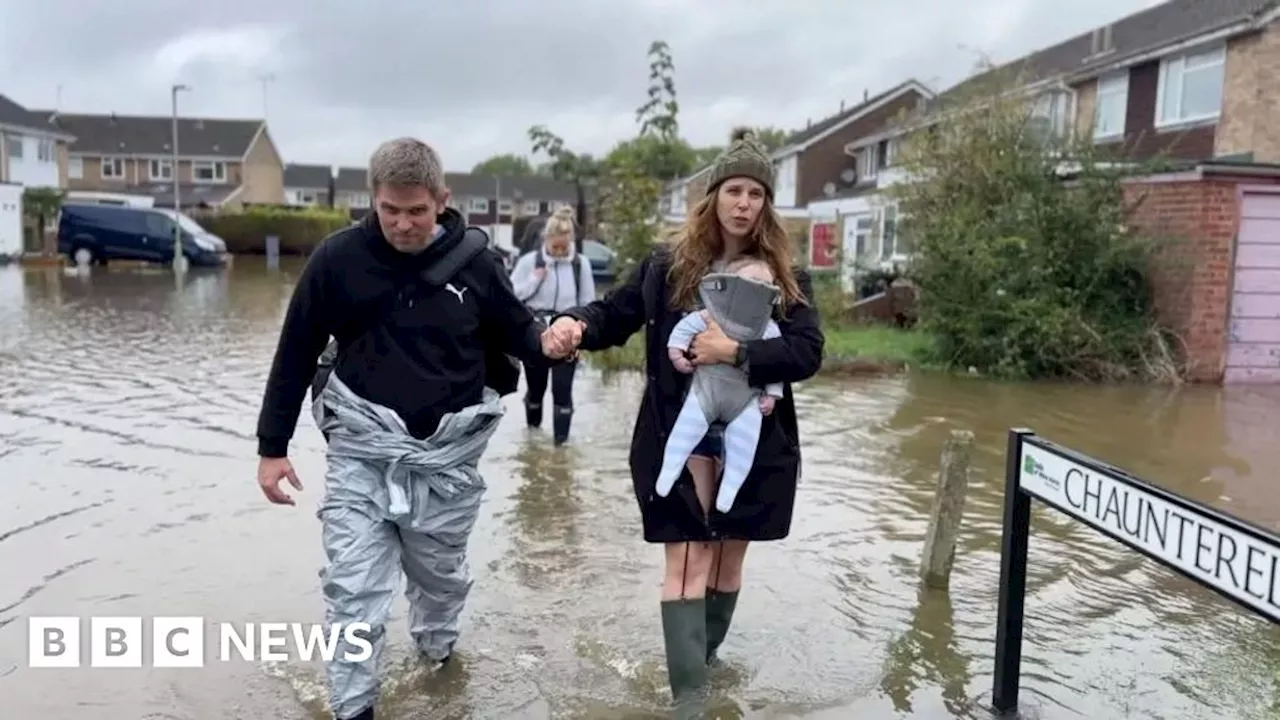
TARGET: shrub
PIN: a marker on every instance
(1023, 262)
(299, 230)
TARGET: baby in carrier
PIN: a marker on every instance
(741, 301)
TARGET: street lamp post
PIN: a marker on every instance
(178, 258)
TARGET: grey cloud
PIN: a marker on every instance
(473, 76)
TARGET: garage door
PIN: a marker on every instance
(1253, 344)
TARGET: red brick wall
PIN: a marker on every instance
(1195, 221)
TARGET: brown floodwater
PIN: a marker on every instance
(127, 411)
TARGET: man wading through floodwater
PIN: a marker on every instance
(424, 316)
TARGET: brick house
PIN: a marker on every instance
(1184, 80)
(486, 200)
(1217, 283)
(221, 162)
(33, 153)
(811, 164)
(308, 185)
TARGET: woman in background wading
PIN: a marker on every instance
(550, 280)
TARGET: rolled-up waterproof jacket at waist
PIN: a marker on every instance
(445, 461)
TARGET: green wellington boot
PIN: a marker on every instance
(684, 631)
(720, 606)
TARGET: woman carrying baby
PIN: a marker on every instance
(705, 546)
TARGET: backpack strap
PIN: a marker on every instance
(474, 241)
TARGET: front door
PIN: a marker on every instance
(1253, 341)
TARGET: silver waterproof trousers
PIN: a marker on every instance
(394, 503)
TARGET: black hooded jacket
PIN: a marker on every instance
(417, 349)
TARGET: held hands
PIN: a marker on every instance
(679, 360)
(562, 338)
(270, 472)
(712, 346)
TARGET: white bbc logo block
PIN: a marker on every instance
(115, 642)
(177, 642)
(53, 642)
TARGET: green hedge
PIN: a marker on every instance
(245, 232)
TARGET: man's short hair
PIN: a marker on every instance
(406, 162)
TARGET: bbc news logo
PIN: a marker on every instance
(179, 642)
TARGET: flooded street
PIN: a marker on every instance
(127, 461)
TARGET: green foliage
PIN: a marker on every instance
(300, 231)
(1023, 272)
(506, 165)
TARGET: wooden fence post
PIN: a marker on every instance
(947, 511)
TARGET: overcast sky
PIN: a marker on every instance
(471, 76)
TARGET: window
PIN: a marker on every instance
(1190, 87)
(1113, 102)
(13, 144)
(478, 205)
(75, 168)
(208, 172)
(868, 165)
(112, 168)
(45, 151)
(889, 232)
(530, 207)
(161, 169)
(506, 207)
(1049, 113)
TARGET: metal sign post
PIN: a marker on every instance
(1236, 559)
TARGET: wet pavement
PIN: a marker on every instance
(127, 413)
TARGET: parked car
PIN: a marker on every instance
(90, 233)
(601, 257)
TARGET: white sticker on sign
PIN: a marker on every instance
(1240, 564)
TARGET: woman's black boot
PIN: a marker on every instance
(533, 413)
(562, 419)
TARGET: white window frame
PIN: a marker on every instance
(888, 251)
(1174, 69)
(218, 168)
(12, 143)
(1055, 105)
(115, 163)
(75, 168)
(1114, 87)
(160, 164)
(506, 207)
(530, 207)
(868, 163)
(46, 150)
(477, 205)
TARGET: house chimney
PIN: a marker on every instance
(1101, 40)
(199, 124)
(866, 94)
(842, 105)
(113, 117)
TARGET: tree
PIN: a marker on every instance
(506, 165)
(39, 204)
(630, 188)
(1022, 272)
(582, 171)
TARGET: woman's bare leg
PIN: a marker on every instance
(727, 559)
(689, 564)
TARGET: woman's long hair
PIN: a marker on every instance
(697, 245)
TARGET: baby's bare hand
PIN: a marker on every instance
(766, 404)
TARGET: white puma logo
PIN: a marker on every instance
(453, 289)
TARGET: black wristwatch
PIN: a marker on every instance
(740, 355)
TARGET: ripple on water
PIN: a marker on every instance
(127, 415)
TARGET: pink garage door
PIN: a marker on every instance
(1253, 344)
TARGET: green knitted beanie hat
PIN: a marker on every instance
(745, 157)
